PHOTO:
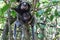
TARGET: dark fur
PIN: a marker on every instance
(25, 16)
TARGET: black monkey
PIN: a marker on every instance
(23, 11)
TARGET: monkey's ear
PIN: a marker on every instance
(29, 5)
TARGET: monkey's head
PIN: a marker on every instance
(22, 7)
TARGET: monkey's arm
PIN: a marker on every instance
(16, 24)
(16, 9)
(14, 34)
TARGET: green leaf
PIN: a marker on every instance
(13, 13)
(37, 15)
(12, 0)
(48, 10)
(40, 35)
(44, 1)
(58, 29)
(1, 13)
(37, 5)
(2, 20)
(55, 2)
(5, 7)
(40, 12)
(51, 17)
(42, 26)
(56, 13)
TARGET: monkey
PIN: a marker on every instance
(23, 14)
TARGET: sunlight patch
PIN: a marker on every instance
(2, 4)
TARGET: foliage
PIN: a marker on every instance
(46, 15)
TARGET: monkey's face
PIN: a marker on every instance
(22, 7)
(25, 6)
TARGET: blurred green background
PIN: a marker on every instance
(47, 16)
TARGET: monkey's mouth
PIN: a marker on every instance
(24, 7)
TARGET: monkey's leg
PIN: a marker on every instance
(14, 35)
(33, 33)
(32, 26)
